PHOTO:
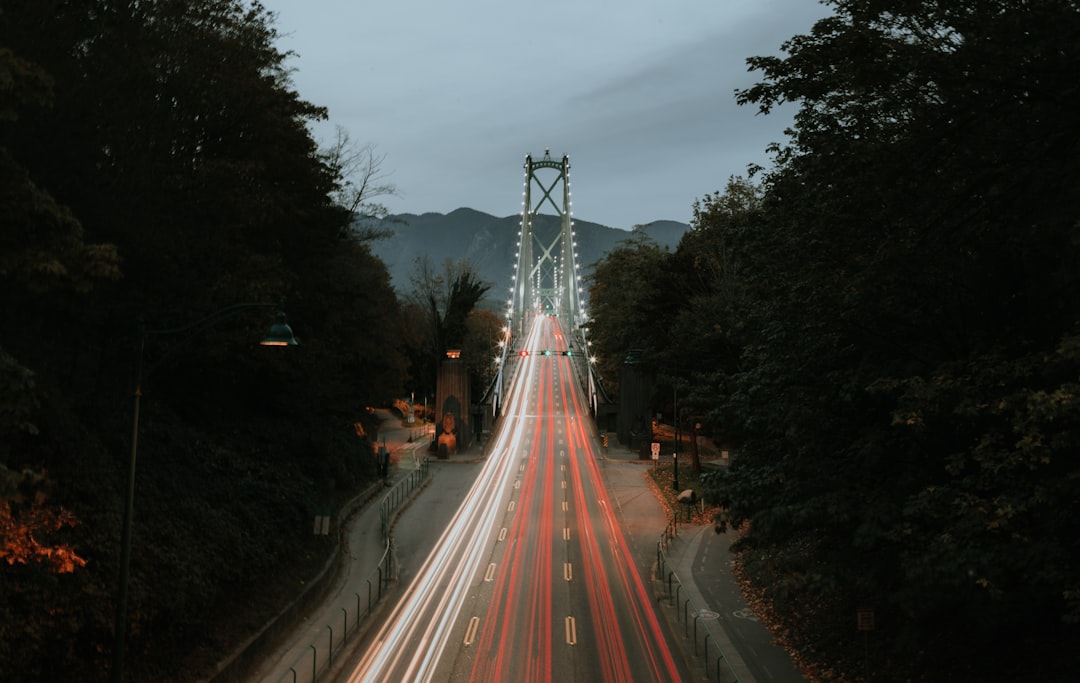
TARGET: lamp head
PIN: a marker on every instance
(280, 333)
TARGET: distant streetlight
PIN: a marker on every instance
(280, 334)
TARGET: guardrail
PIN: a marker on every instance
(692, 617)
(320, 652)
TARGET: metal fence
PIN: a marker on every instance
(695, 619)
(317, 657)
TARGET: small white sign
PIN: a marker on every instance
(655, 450)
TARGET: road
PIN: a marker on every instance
(532, 579)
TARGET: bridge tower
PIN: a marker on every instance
(547, 279)
(547, 275)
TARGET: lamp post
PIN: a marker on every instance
(678, 437)
(280, 334)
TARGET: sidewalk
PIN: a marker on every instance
(300, 646)
(695, 586)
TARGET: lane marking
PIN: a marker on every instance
(502, 534)
(571, 631)
(568, 571)
(565, 506)
(566, 533)
(510, 508)
(470, 631)
(517, 484)
(490, 573)
(564, 483)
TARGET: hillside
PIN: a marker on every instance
(489, 243)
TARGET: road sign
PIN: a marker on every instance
(655, 450)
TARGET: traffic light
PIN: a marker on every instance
(523, 353)
(547, 352)
(568, 352)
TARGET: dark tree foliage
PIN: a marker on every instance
(890, 336)
(629, 305)
(441, 304)
(155, 162)
(466, 291)
(480, 349)
(715, 311)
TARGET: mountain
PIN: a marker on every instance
(490, 243)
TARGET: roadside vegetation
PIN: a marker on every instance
(156, 164)
(885, 328)
(881, 328)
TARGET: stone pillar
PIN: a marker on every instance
(452, 401)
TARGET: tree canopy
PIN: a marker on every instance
(443, 303)
(886, 330)
(156, 164)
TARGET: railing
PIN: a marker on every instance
(317, 657)
(693, 618)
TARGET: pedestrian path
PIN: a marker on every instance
(299, 644)
(364, 573)
(696, 617)
(695, 585)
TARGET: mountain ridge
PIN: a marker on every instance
(489, 242)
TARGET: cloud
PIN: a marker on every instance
(639, 93)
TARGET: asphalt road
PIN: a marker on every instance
(533, 578)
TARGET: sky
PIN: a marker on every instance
(640, 94)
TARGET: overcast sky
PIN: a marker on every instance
(455, 93)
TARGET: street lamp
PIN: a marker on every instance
(678, 437)
(280, 334)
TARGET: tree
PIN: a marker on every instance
(919, 248)
(887, 327)
(480, 347)
(170, 131)
(447, 298)
(24, 518)
(713, 305)
(42, 250)
(363, 182)
(629, 304)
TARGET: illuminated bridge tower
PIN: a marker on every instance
(547, 277)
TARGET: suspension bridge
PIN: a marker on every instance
(547, 278)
